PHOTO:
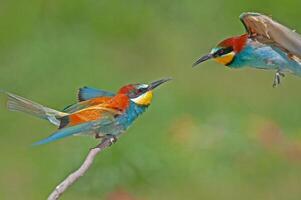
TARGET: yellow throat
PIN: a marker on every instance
(144, 99)
(225, 59)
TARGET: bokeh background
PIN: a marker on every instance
(212, 133)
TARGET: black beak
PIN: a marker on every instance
(155, 84)
(202, 59)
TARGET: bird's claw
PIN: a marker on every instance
(112, 138)
(108, 139)
(277, 78)
(98, 136)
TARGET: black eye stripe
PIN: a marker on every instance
(228, 50)
(137, 92)
(223, 51)
(142, 90)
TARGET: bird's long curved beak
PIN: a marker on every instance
(155, 84)
(202, 59)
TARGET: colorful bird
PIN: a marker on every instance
(98, 113)
(266, 45)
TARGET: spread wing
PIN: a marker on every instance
(267, 31)
(85, 104)
(92, 113)
(88, 96)
(106, 123)
(86, 93)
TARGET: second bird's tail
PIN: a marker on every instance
(17, 103)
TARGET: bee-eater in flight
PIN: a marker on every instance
(98, 113)
(266, 45)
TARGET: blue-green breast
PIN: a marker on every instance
(132, 113)
(261, 56)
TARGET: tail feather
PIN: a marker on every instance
(66, 132)
(17, 103)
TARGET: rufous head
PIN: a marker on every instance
(141, 94)
(225, 52)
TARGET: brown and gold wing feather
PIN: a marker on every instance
(266, 30)
(92, 113)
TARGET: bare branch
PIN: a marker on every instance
(73, 177)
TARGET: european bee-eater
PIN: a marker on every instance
(266, 45)
(98, 113)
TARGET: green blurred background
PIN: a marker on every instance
(212, 133)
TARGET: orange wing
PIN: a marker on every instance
(85, 104)
(91, 114)
(97, 109)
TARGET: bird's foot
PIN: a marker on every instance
(97, 136)
(112, 138)
(277, 78)
(107, 140)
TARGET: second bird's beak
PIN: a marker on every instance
(202, 59)
(155, 84)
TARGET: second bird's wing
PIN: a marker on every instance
(267, 31)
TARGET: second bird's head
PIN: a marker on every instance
(226, 51)
(141, 94)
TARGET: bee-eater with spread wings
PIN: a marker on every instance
(266, 45)
(98, 113)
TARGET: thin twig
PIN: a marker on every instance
(73, 177)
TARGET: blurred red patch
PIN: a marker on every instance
(120, 194)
